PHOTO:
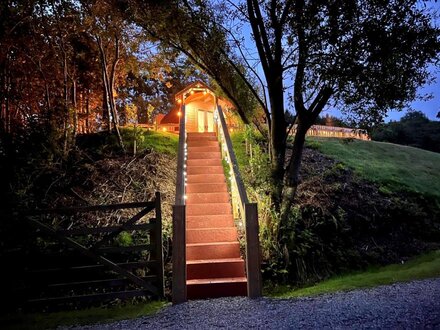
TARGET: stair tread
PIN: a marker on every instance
(213, 261)
(212, 243)
(214, 228)
(217, 280)
(214, 203)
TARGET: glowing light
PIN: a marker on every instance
(185, 197)
(164, 129)
(179, 101)
(179, 113)
(192, 92)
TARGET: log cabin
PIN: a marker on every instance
(201, 101)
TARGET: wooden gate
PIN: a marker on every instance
(71, 265)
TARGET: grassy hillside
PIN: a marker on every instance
(392, 166)
(161, 142)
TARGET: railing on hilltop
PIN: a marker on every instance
(246, 211)
(334, 131)
(179, 230)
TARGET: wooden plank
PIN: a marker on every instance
(95, 283)
(158, 244)
(100, 259)
(109, 237)
(126, 265)
(179, 255)
(92, 208)
(253, 264)
(101, 230)
(88, 298)
(126, 249)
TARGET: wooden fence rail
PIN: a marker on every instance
(59, 266)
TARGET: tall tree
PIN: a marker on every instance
(367, 55)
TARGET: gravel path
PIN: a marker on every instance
(411, 305)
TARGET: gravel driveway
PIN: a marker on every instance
(413, 305)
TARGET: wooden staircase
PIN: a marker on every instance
(214, 265)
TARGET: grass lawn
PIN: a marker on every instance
(161, 142)
(392, 166)
(79, 317)
(425, 266)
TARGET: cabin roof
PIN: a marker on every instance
(197, 84)
(171, 117)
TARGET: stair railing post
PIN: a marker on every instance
(179, 231)
(253, 261)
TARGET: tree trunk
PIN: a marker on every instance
(87, 112)
(75, 111)
(290, 190)
(109, 86)
(277, 139)
(66, 104)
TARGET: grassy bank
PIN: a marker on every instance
(162, 142)
(392, 166)
(425, 266)
(79, 317)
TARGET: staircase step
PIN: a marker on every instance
(192, 138)
(205, 170)
(217, 250)
(206, 187)
(201, 134)
(216, 287)
(214, 197)
(208, 209)
(203, 162)
(206, 178)
(209, 221)
(211, 235)
(203, 143)
(215, 268)
(192, 148)
(204, 155)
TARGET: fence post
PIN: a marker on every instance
(253, 266)
(159, 246)
(179, 255)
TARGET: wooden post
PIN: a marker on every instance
(179, 255)
(253, 267)
(158, 248)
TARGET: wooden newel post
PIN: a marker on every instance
(158, 243)
(179, 255)
(253, 265)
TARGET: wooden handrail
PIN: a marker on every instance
(179, 230)
(248, 212)
(232, 161)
